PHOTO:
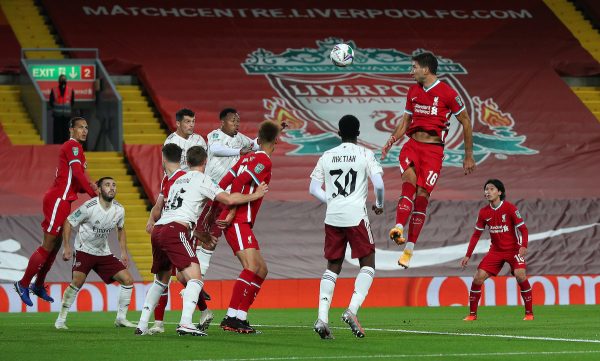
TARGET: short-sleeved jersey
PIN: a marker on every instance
(217, 167)
(258, 165)
(65, 185)
(502, 222)
(166, 184)
(187, 197)
(432, 107)
(345, 170)
(185, 144)
(95, 224)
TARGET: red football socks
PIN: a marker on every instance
(474, 297)
(249, 298)
(405, 203)
(417, 220)
(527, 296)
(242, 286)
(41, 276)
(159, 311)
(36, 262)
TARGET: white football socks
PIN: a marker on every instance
(150, 302)
(67, 300)
(326, 294)
(204, 257)
(124, 301)
(361, 288)
(190, 300)
(409, 246)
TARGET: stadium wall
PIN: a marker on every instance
(303, 293)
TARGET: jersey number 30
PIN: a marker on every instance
(349, 181)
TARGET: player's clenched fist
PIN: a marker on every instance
(386, 148)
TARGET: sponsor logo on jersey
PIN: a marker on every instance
(311, 93)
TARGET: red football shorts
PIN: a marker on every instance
(56, 210)
(240, 237)
(427, 160)
(105, 266)
(171, 246)
(207, 219)
(493, 261)
(359, 237)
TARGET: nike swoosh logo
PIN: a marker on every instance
(487, 219)
(387, 260)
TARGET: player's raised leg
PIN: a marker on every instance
(405, 203)
(417, 220)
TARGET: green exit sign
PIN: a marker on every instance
(72, 72)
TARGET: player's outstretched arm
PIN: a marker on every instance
(66, 240)
(123, 245)
(397, 134)
(469, 161)
(238, 198)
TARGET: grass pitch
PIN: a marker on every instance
(558, 333)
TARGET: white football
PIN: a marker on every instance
(342, 55)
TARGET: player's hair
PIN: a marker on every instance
(349, 126)
(172, 152)
(196, 155)
(268, 131)
(184, 112)
(226, 111)
(99, 181)
(427, 60)
(73, 121)
(499, 185)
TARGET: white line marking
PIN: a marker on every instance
(519, 337)
(432, 355)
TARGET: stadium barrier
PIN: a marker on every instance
(298, 293)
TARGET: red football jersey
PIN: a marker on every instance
(167, 182)
(431, 108)
(70, 177)
(502, 222)
(251, 170)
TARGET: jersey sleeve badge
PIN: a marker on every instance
(75, 151)
(259, 168)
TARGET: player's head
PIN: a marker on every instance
(424, 65)
(196, 156)
(230, 121)
(185, 120)
(493, 189)
(171, 153)
(349, 126)
(268, 132)
(78, 129)
(62, 80)
(107, 187)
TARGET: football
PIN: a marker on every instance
(342, 55)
